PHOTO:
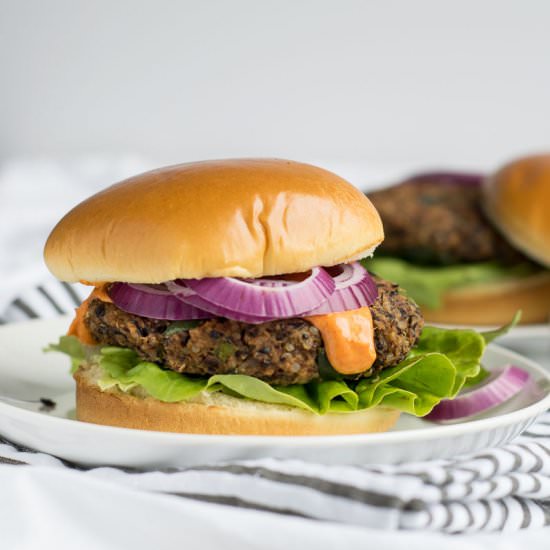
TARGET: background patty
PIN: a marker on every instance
(433, 222)
(281, 352)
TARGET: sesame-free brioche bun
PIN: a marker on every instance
(495, 303)
(221, 218)
(215, 413)
(517, 200)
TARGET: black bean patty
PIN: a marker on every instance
(436, 223)
(280, 352)
(397, 324)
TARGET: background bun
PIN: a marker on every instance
(240, 218)
(216, 413)
(495, 303)
(517, 200)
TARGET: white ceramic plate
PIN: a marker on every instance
(27, 373)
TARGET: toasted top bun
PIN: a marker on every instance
(517, 199)
(222, 218)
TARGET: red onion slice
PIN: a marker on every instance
(502, 385)
(452, 178)
(188, 296)
(250, 300)
(153, 301)
(354, 289)
(260, 299)
(160, 290)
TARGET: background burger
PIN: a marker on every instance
(228, 298)
(471, 250)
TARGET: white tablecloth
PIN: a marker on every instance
(44, 509)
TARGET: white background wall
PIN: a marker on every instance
(465, 83)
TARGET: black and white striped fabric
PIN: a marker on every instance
(47, 300)
(501, 489)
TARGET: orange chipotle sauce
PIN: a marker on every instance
(349, 339)
(78, 328)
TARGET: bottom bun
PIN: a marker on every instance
(216, 413)
(495, 303)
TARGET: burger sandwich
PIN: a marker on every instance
(227, 297)
(470, 250)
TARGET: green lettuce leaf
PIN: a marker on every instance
(462, 348)
(241, 385)
(491, 335)
(414, 386)
(126, 370)
(426, 285)
(435, 369)
(71, 346)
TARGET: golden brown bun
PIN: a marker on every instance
(239, 218)
(495, 303)
(517, 199)
(216, 413)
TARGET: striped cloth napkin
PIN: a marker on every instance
(502, 489)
